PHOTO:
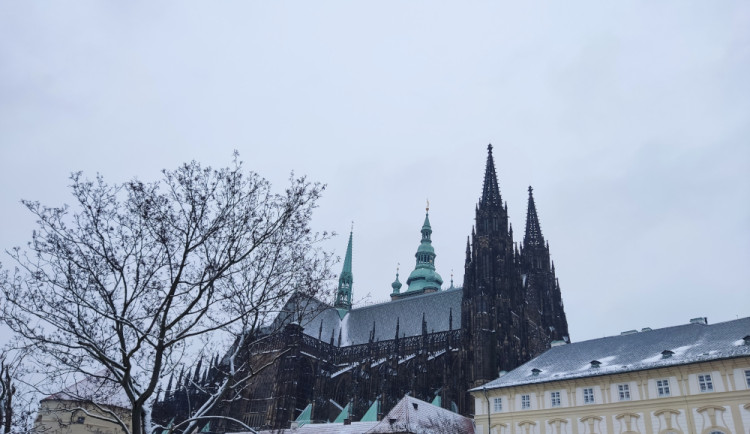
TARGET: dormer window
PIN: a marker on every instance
(666, 354)
(595, 364)
(535, 372)
(746, 339)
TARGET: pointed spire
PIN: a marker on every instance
(424, 277)
(398, 321)
(168, 392)
(533, 237)
(344, 294)
(450, 319)
(491, 191)
(424, 324)
(197, 373)
(468, 250)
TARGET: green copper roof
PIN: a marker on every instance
(346, 279)
(437, 401)
(305, 416)
(372, 413)
(343, 415)
(424, 275)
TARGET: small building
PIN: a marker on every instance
(692, 378)
(88, 406)
(408, 416)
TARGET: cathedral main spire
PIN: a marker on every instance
(424, 278)
(533, 236)
(491, 190)
(346, 278)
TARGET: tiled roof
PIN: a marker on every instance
(358, 323)
(409, 415)
(689, 343)
(416, 416)
(323, 428)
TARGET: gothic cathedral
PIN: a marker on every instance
(432, 343)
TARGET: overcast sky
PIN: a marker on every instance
(630, 119)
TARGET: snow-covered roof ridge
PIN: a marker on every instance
(417, 416)
(669, 346)
(98, 389)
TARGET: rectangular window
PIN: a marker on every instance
(588, 395)
(525, 402)
(498, 404)
(747, 378)
(624, 392)
(662, 387)
(555, 399)
(704, 381)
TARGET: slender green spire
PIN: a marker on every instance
(346, 278)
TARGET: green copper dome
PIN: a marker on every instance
(396, 285)
(424, 277)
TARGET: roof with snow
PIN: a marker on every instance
(633, 351)
(355, 327)
(410, 415)
(96, 389)
(324, 428)
(413, 415)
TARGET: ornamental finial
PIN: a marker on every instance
(427, 209)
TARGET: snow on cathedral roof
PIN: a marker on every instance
(355, 327)
(410, 415)
(633, 351)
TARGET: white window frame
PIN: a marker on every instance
(588, 398)
(497, 405)
(525, 402)
(705, 383)
(623, 391)
(555, 400)
(662, 388)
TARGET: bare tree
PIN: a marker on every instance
(7, 392)
(124, 285)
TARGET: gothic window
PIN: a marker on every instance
(623, 391)
(555, 399)
(662, 387)
(525, 402)
(588, 395)
(498, 405)
(705, 383)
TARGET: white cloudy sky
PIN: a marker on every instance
(630, 119)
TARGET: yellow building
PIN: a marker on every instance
(688, 379)
(88, 406)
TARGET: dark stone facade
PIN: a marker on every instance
(429, 345)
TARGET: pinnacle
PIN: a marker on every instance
(491, 190)
(533, 236)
